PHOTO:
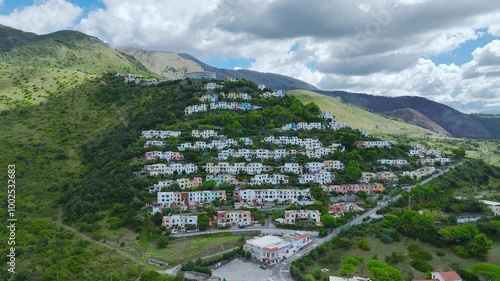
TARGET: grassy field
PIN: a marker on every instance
(185, 249)
(28, 85)
(359, 118)
(382, 250)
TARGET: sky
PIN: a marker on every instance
(446, 51)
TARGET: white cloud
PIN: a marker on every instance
(363, 46)
(43, 16)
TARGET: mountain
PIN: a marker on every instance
(67, 49)
(418, 119)
(33, 67)
(456, 123)
(166, 64)
(174, 66)
(359, 118)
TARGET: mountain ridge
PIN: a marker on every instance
(458, 124)
(75, 51)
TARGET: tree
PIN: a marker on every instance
(162, 242)
(480, 245)
(486, 271)
(329, 221)
(349, 265)
(208, 185)
(353, 174)
(309, 277)
(203, 222)
(458, 153)
(380, 271)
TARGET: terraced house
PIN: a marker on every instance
(234, 218)
(187, 199)
(354, 188)
(259, 196)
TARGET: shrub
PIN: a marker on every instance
(439, 253)
(461, 251)
(363, 245)
(418, 254)
(421, 266)
(394, 258)
(162, 242)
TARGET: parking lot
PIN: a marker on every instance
(238, 270)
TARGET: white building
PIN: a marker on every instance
(274, 179)
(293, 168)
(179, 221)
(202, 75)
(154, 143)
(159, 134)
(269, 249)
(261, 87)
(260, 196)
(211, 86)
(393, 162)
(322, 178)
(195, 108)
(205, 134)
(291, 217)
(419, 173)
(494, 206)
(371, 144)
(169, 169)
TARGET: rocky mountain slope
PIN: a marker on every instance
(458, 124)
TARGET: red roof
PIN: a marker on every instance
(298, 237)
(270, 250)
(450, 276)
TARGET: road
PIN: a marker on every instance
(282, 271)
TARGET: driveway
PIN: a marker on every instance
(238, 270)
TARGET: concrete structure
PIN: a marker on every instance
(395, 162)
(211, 86)
(180, 221)
(202, 75)
(494, 206)
(339, 209)
(444, 276)
(371, 144)
(353, 188)
(420, 173)
(432, 161)
(234, 218)
(292, 217)
(159, 134)
(205, 134)
(272, 249)
(259, 196)
(187, 199)
(154, 143)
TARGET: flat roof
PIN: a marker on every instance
(268, 241)
(490, 203)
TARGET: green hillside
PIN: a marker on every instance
(359, 118)
(165, 64)
(33, 67)
(70, 50)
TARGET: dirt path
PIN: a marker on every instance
(90, 239)
(120, 115)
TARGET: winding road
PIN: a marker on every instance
(282, 271)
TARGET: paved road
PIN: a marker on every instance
(282, 271)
